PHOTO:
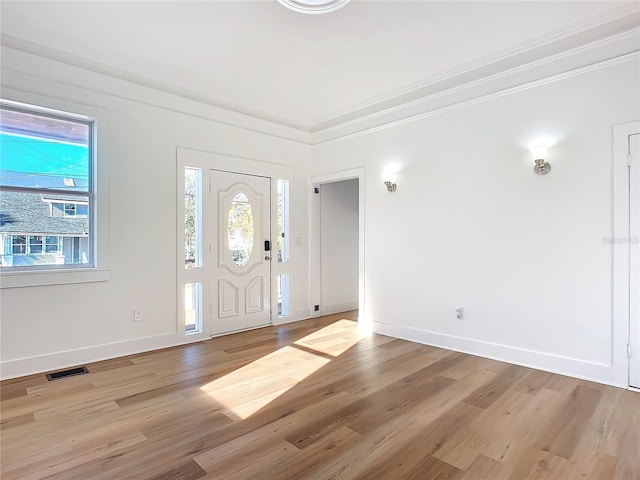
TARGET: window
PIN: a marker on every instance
(283, 221)
(283, 247)
(192, 273)
(19, 243)
(35, 244)
(69, 210)
(52, 244)
(192, 308)
(192, 218)
(283, 295)
(46, 189)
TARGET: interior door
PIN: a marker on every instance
(634, 259)
(242, 254)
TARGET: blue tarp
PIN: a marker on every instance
(35, 162)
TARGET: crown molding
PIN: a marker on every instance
(608, 24)
(108, 70)
(450, 102)
(21, 76)
(603, 53)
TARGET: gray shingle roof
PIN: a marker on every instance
(27, 213)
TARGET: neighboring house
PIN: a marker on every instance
(43, 229)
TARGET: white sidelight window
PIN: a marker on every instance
(283, 248)
(191, 274)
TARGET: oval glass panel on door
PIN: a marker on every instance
(240, 229)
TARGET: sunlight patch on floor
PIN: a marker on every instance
(334, 339)
(250, 388)
(247, 390)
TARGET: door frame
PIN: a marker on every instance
(621, 258)
(206, 161)
(315, 229)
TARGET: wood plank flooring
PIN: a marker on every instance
(316, 400)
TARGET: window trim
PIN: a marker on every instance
(54, 277)
(98, 270)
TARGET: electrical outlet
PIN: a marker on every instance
(137, 315)
(460, 313)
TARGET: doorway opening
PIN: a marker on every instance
(337, 235)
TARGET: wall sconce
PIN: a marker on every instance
(389, 179)
(541, 167)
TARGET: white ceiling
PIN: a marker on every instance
(298, 69)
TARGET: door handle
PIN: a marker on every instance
(267, 257)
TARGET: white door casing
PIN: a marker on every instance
(634, 259)
(241, 284)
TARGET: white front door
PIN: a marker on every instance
(241, 254)
(634, 260)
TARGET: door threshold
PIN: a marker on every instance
(231, 332)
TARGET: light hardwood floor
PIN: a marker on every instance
(316, 400)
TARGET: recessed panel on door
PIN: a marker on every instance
(254, 293)
(227, 299)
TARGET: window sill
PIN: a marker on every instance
(54, 277)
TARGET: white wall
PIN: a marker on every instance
(49, 327)
(339, 246)
(471, 225)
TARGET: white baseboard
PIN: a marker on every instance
(58, 360)
(595, 372)
(338, 308)
(70, 358)
(572, 367)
